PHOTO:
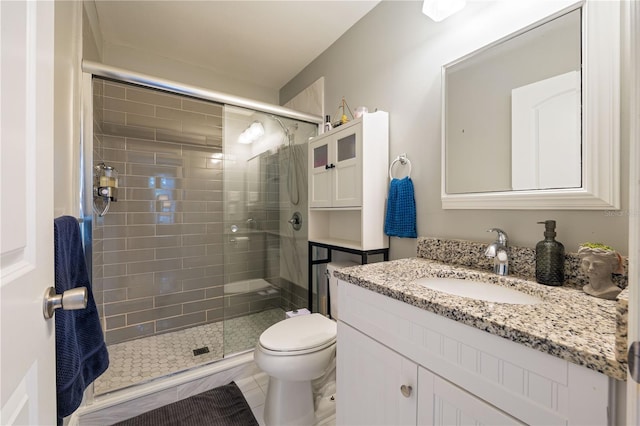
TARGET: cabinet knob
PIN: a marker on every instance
(406, 390)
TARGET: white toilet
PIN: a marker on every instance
(293, 352)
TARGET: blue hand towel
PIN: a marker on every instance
(400, 220)
(81, 353)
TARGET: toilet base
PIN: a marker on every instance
(289, 403)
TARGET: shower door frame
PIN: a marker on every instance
(125, 76)
(91, 69)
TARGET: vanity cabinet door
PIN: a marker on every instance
(442, 403)
(370, 379)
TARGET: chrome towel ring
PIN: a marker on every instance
(403, 160)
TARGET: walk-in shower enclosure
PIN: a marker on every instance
(199, 243)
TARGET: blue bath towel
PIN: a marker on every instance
(81, 353)
(400, 220)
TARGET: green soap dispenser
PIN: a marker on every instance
(549, 257)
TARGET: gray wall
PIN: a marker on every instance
(66, 120)
(391, 60)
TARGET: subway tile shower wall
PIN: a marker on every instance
(159, 252)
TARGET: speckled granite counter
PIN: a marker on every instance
(568, 324)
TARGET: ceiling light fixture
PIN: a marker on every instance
(252, 133)
(441, 9)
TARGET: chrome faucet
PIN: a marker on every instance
(498, 251)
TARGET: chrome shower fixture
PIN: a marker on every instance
(296, 221)
(292, 183)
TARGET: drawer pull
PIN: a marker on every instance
(406, 390)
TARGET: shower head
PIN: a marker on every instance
(286, 130)
(280, 123)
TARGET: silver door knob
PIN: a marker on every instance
(76, 298)
(406, 390)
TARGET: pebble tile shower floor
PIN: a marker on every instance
(141, 360)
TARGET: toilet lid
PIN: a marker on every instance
(299, 333)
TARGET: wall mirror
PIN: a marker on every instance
(532, 120)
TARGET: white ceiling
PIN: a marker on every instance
(262, 42)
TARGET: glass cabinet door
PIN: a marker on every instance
(321, 156)
(320, 176)
(347, 175)
(346, 147)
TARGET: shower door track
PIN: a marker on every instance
(126, 76)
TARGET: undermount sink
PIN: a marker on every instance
(479, 290)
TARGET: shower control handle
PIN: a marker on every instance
(296, 221)
(75, 298)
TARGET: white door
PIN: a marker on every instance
(633, 387)
(27, 340)
(545, 133)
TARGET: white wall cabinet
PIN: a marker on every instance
(348, 183)
(336, 168)
(459, 374)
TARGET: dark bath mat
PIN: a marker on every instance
(222, 406)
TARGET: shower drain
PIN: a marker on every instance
(200, 351)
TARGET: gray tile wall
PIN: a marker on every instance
(292, 296)
(158, 253)
(159, 259)
(255, 253)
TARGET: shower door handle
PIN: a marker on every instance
(75, 298)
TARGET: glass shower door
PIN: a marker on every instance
(264, 180)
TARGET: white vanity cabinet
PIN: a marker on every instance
(348, 183)
(455, 372)
(378, 386)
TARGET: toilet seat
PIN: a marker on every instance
(299, 335)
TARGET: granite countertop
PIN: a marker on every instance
(568, 324)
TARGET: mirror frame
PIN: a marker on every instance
(600, 125)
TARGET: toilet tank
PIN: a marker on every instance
(333, 284)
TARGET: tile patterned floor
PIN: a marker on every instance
(254, 389)
(139, 361)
